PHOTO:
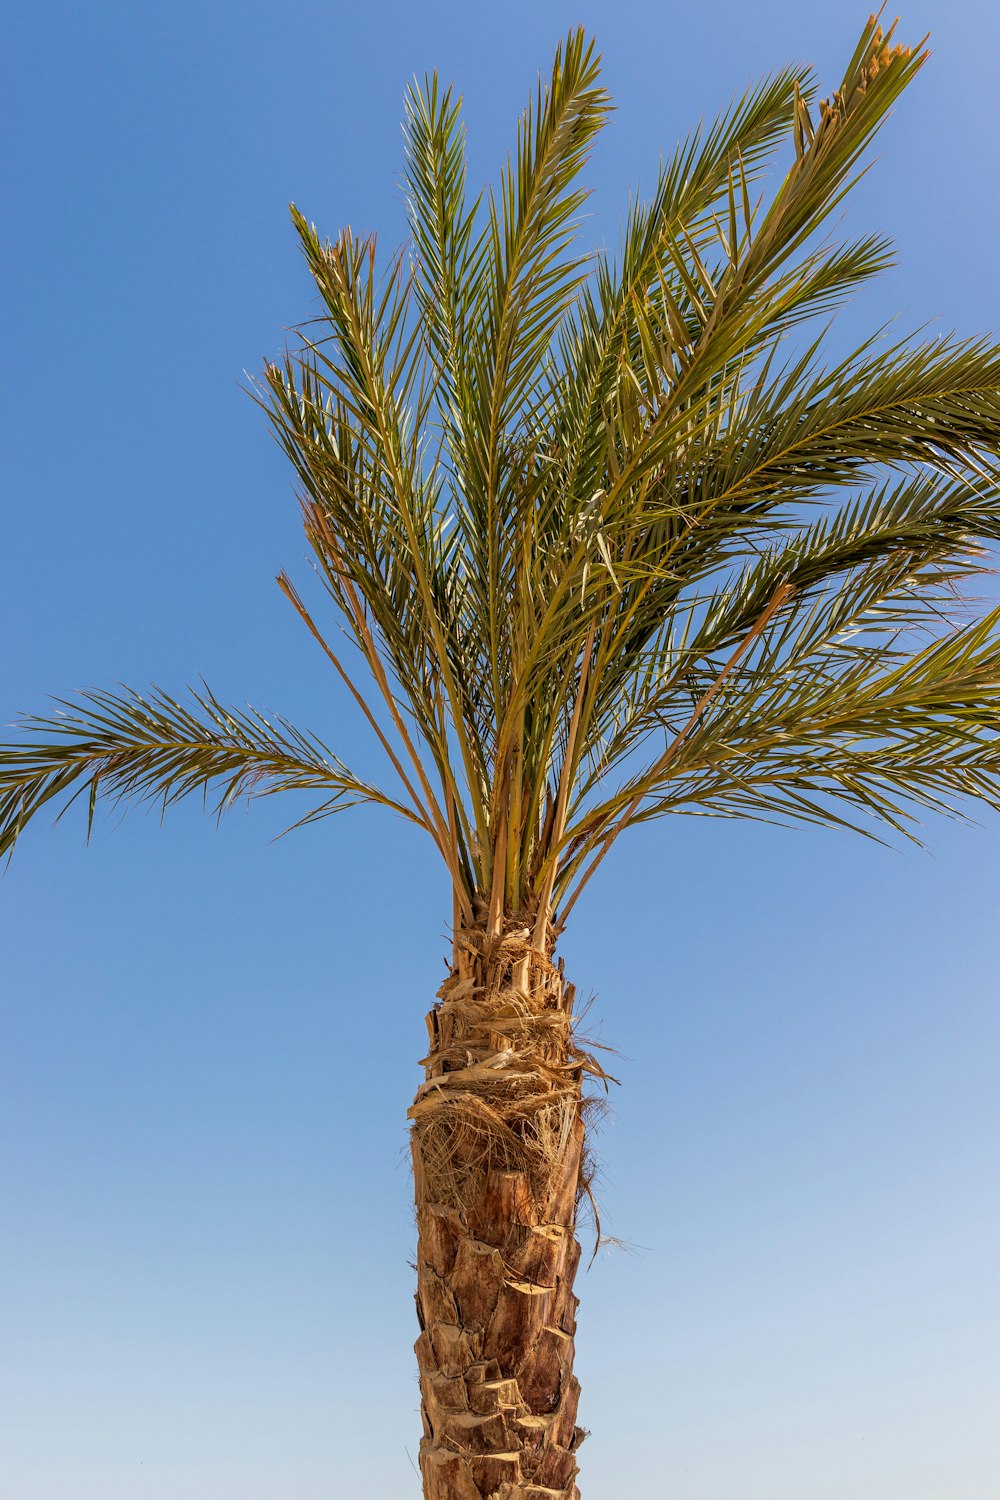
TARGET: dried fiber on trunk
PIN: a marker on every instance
(505, 1069)
(500, 1164)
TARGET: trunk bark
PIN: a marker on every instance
(499, 1165)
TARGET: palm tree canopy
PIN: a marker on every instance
(611, 536)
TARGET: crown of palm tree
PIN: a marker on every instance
(611, 538)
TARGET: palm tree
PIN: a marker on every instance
(611, 541)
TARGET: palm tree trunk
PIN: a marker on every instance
(499, 1165)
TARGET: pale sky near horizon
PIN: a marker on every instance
(209, 1039)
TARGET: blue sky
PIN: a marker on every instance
(209, 1039)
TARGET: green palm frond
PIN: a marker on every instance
(885, 737)
(824, 707)
(613, 537)
(128, 747)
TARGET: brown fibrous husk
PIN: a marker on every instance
(506, 1072)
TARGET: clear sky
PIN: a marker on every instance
(210, 1039)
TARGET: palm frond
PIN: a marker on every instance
(126, 747)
